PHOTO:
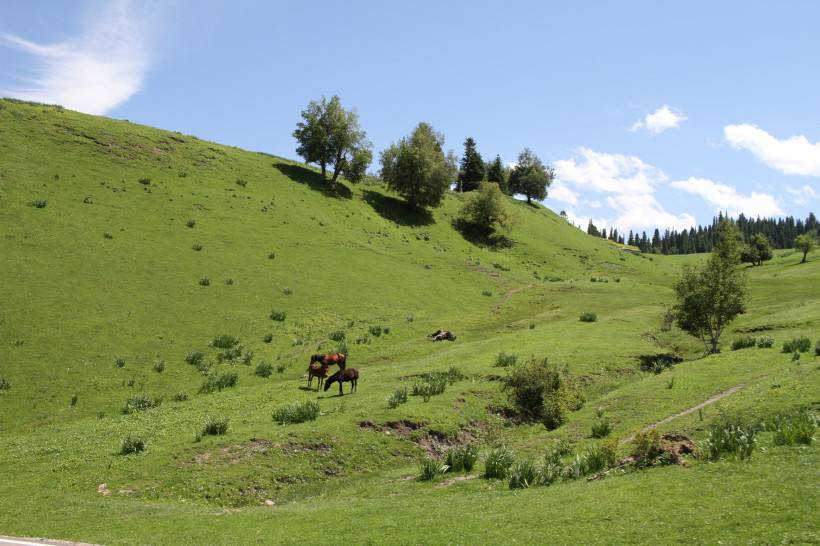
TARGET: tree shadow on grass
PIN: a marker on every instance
(482, 237)
(314, 180)
(397, 210)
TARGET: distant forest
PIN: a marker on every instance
(780, 231)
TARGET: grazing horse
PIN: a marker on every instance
(317, 370)
(330, 359)
(342, 376)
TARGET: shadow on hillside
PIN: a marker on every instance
(482, 237)
(397, 210)
(314, 180)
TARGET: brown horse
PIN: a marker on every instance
(317, 370)
(331, 359)
(350, 375)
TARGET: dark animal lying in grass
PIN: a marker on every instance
(342, 376)
(330, 359)
(317, 370)
(440, 335)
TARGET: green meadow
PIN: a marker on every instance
(125, 249)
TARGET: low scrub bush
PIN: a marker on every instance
(194, 357)
(765, 342)
(659, 362)
(190, 223)
(73, 401)
(647, 449)
(119, 362)
(229, 355)
(504, 360)
(196, 247)
(297, 412)
(280, 368)
(107, 235)
(743, 343)
(267, 338)
(461, 458)
(39, 203)
(793, 428)
(278, 316)
(159, 366)
(215, 426)
(363, 339)
(132, 445)
(337, 335)
(732, 436)
(140, 402)
(431, 468)
(272, 255)
(219, 382)
(264, 369)
(599, 457)
(181, 396)
(487, 293)
(817, 348)
(497, 463)
(398, 398)
(539, 391)
(4, 384)
(247, 357)
(375, 330)
(204, 281)
(228, 282)
(797, 345)
(430, 385)
(588, 317)
(224, 341)
(145, 181)
(524, 473)
(287, 291)
(601, 427)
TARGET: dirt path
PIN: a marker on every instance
(509, 295)
(685, 412)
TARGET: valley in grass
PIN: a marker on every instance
(130, 253)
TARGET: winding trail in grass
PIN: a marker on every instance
(685, 412)
(508, 295)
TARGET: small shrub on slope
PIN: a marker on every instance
(264, 369)
(588, 317)
(398, 398)
(140, 402)
(132, 445)
(461, 458)
(497, 463)
(215, 426)
(297, 412)
(797, 345)
(431, 468)
(743, 343)
(219, 382)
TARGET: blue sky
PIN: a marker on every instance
(652, 113)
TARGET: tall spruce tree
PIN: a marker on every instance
(471, 171)
(497, 173)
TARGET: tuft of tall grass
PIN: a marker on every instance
(219, 382)
(375, 330)
(194, 357)
(204, 281)
(280, 368)
(287, 291)
(504, 360)
(224, 341)
(132, 445)
(5, 384)
(215, 426)
(732, 436)
(588, 317)
(430, 469)
(794, 427)
(264, 369)
(487, 293)
(497, 463)
(196, 247)
(524, 473)
(159, 366)
(744, 343)
(119, 362)
(647, 449)
(398, 398)
(800, 344)
(765, 342)
(599, 457)
(337, 335)
(247, 357)
(278, 316)
(190, 223)
(430, 385)
(267, 338)
(181, 396)
(461, 458)
(817, 348)
(297, 412)
(39, 203)
(601, 427)
(140, 402)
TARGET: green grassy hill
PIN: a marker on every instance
(109, 230)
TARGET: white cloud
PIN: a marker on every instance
(93, 73)
(629, 186)
(561, 192)
(662, 119)
(727, 198)
(794, 155)
(803, 195)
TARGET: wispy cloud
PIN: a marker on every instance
(94, 72)
(727, 198)
(662, 119)
(803, 195)
(794, 155)
(627, 185)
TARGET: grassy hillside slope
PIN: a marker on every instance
(111, 268)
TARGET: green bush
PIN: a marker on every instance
(272, 255)
(190, 223)
(487, 293)
(215, 426)
(729, 436)
(297, 412)
(145, 181)
(73, 401)
(497, 463)
(375, 330)
(536, 389)
(743, 343)
(204, 281)
(588, 317)
(800, 344)
(194, 357)
(601, 427)
(159, 366)
(132, 445)
(278, 316)
(524, 473)
(229, 355)
(601, 456)
(196, 247)
(219, 382)
(267, 338)
(461, 458)
(39, 203)
(647, 449)
(181, 396)
(504, 360)
(287, 291)
(656, 363)
(107, 235)
(264, 369)
(140, 402)
(430, 385)
(280, 368)
(4, 384)
(430, 469)
(224, 341)
(765, 342)
(398, 398)
(119, 362)
(793, 428)
(337, 335)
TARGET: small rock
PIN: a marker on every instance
(102, 489)
(269, 503)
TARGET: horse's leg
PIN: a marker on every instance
(310, 379)
(341, 393)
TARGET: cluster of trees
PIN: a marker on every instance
(416, 167)
(780, 232)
